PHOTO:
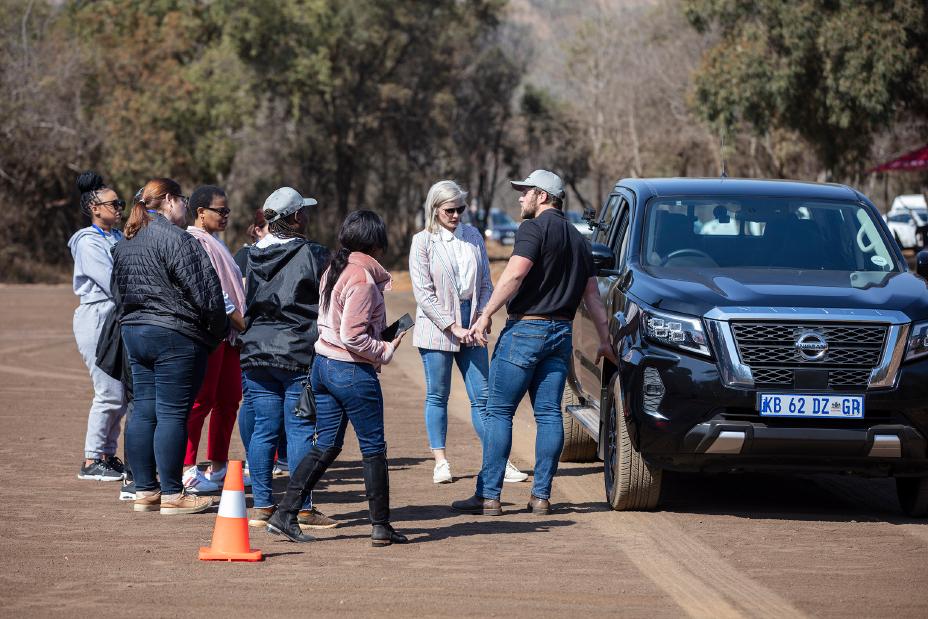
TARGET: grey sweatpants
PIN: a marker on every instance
(109, 401)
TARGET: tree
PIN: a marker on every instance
(834, 72)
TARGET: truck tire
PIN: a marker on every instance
(631, 483)
(913, 495)
(578, 445)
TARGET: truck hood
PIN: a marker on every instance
(697, 291)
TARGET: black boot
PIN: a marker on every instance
(377, 484)
(302, 480)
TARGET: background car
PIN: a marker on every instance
(579, 223)
(501, 227)
(905, 216)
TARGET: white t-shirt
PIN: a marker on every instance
(269, 239)
(464, 262)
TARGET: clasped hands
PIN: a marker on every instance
(476, 335)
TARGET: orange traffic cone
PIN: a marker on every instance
(230, 537)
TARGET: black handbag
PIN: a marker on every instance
(306, 405)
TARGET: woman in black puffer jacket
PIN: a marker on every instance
(173, 316)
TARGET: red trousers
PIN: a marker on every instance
(220, 395)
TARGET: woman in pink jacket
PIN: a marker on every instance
(349, 353)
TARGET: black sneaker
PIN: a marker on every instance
(116, 464)
(127, 492)
(99, 470)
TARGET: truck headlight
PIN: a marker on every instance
(918, 341)
(675, 331)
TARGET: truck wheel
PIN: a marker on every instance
(578, 445)
(913, 495)
(631, 483)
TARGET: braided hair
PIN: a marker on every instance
(88, 184)
(285, 227)
(362, 231)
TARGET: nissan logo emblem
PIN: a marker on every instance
(811, 346)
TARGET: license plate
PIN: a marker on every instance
(791, 405)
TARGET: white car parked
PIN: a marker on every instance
(905, 216)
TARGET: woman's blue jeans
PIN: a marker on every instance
(530, 356)
(474, 365)
(347, 392)
(273, 394)
(246, 427)
(167, 370)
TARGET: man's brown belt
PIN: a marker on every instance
(538, 317)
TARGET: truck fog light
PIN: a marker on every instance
(653, 389)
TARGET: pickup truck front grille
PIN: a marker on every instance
(770, 350)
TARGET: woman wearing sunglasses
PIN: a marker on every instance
(173, 316)
(450, 275)
(221, 391)
(91, 249)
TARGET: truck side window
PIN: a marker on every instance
(624, 230)
(601, 234)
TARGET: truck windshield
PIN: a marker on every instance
(776, 233)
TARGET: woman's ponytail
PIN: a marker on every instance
(148, 198)
(336, 266)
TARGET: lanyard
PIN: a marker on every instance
(100, 230)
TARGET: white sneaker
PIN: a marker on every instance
(280, 470)
(195, 482)
(442, 473)
(513, 475)
(217, 476)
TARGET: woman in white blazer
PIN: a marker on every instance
(450, 275)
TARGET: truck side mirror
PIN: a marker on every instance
(921, 263)
(604, 260)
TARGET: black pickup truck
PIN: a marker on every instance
(759, 326)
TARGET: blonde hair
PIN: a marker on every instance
(440, 193)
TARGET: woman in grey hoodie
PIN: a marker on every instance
(91, 248)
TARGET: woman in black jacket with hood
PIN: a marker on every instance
(173, 315)
(282, 306)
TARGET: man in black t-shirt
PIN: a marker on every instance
(550, 271)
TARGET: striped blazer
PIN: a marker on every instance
(432, 275)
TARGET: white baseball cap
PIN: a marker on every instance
(549, 182)
(286, 201)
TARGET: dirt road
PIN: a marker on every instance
(746, 546)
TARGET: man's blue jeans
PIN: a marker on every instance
(273, 394)
(167, 370)
(474, 364)
(532, 356)
(347, 392)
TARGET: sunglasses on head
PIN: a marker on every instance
(223, 212)
(116, 205)
(455, 209)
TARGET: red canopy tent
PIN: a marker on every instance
(916, 160)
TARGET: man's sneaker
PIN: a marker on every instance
(315, 519)
(260, 516)
(185, 504)
(217, 476)
(99, 470)
(441, 474)
(148, 503)
(127, 492)
(513, 475)
(195, 482)
(280, 469)
(116, 464)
